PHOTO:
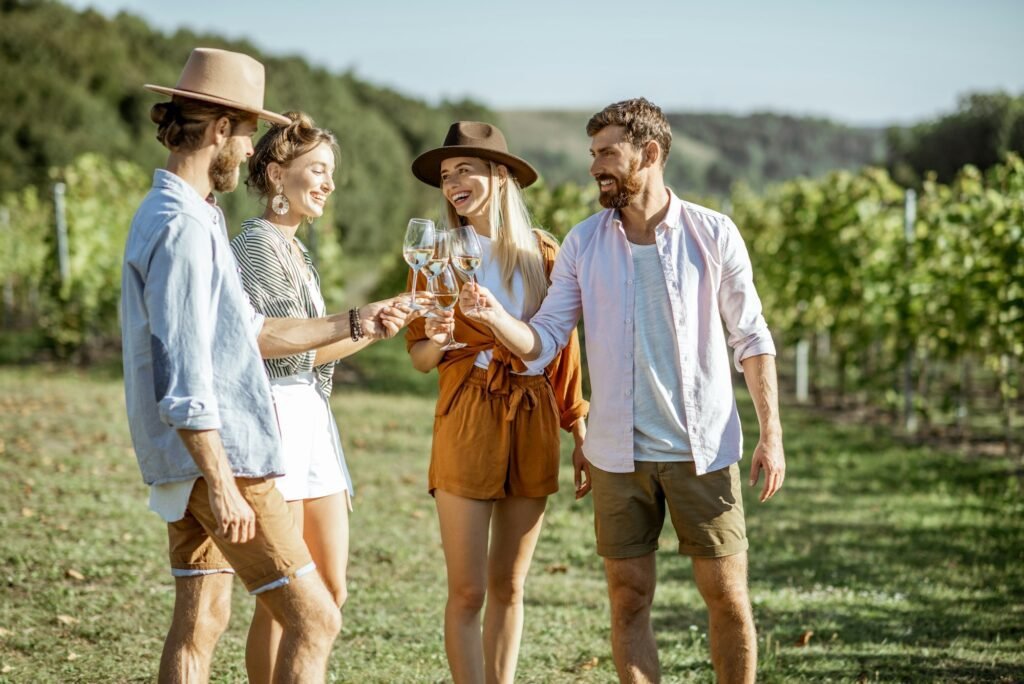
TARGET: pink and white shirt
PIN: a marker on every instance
(709, 281)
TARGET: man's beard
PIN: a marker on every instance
(627, 190)
(224, 169)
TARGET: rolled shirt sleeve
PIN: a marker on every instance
(738, 300)
(179, 299)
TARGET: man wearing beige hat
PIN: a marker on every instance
(199, 405)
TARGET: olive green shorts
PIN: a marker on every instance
(707, 511)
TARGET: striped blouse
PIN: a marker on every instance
(277, 288)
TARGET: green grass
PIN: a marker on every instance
(905, 563)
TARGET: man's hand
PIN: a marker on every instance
(477, 302)
(235, 519)
(580, 472)
(769, 457)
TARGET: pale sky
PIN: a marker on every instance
(855, 61)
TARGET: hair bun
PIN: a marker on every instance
(300, 121)
(163, 113)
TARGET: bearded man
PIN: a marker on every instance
(199, 406)
(654, 278)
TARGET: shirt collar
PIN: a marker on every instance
(673, 217)
(162, 178)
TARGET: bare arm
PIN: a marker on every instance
(759, 373)
(282, 337)
(236, 521)
(426, 354)
(331, 335)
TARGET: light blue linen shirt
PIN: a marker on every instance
(191, 359)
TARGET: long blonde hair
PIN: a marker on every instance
(512, 236)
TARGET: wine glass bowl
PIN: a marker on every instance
(417, 250)
(445, 288)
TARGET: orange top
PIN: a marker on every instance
(564, 372)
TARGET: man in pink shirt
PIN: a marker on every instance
(654, 278)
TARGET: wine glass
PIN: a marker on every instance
(439, 260)
(417, 250)
(445, 288)
(466, 252)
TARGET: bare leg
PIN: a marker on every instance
(464, 528)
(325, 532)
(515, 528)
(631, 584)
(310, 622)
(723, 584)
(264, 638)
(202, 608)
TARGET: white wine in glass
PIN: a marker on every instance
(417, 250)
(438, 261)
(466, 252)
(445, 288)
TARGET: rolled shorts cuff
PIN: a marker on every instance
(720, 551)
(200, 572)
(277, 579)
(632, 551)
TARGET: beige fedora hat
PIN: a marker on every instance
(225, 78)
(472, 139)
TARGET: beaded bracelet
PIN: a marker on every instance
(355, 326)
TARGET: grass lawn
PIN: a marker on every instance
(906, 564)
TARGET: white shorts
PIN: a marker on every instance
(314, 463)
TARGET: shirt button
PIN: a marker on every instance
(629, 392)
(628, 321)
(629, 282)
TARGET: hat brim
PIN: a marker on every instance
(261, 113)
(427, 166)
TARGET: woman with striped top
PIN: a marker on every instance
(292, 168)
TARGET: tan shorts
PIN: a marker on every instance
(489, 446)
(707, 511)
(269, 560)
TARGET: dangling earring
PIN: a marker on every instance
(279, 203)
(309, 221)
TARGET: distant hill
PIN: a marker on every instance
(73, 84)
(709, 152)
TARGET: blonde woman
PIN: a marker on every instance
(292, 169)
(495, 451)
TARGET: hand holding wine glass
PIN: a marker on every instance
(418, 249)
(445, 288)
(466, 252)
(478, 303)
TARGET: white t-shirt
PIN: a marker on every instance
(659, 424)
(489, 275)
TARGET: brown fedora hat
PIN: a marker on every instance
(225, 78)
(472, 139)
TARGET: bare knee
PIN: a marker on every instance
(217, 614)
(507, 591)
(629, 603)
(202, 611)
(728, 601)
(467, 599)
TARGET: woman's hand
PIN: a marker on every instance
(439, 330)
(385, 318)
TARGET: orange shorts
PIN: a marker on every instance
(490, 446)
(269, 560)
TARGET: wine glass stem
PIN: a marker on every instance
(412, 295)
